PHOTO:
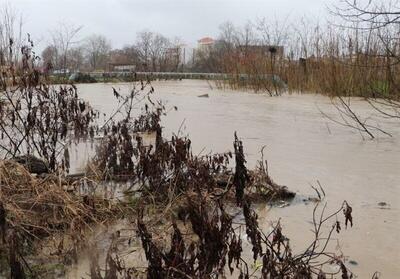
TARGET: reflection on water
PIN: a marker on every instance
(302, 147)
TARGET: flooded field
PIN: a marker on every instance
(301, 147)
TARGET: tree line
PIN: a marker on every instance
(354, 53)
(150, 52)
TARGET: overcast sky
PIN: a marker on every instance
(120, 20)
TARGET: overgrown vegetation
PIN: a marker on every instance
(212, 244)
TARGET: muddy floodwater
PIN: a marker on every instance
(301, 147)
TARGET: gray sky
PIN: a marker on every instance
(120, 20)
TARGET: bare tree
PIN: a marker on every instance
(175, 58)
(228, 34)
(76, 58)
(381, 20)
(49, 57)
(131, 54)
(380, 14)
(63, 38)
(157, 52)
(151, 47)
(97, 49)
(10, 35)
(143, 45)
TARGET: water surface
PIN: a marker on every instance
(301, 147)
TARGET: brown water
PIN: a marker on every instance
(301, 147)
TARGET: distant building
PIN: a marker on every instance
(205, 43)
(204, 46)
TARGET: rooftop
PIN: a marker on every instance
(206, 40)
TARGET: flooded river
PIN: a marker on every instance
(301, 147)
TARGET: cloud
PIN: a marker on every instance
(120, 20)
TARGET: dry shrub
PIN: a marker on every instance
(215, 248)
(43, 216)
(38, 207)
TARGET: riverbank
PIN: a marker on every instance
(221, 79)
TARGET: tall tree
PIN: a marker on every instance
(97, 49)
(10, 35)
(63, 39)
(76, 58)
(152, 47)
(50, 57)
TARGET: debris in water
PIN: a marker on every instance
(353, 262)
